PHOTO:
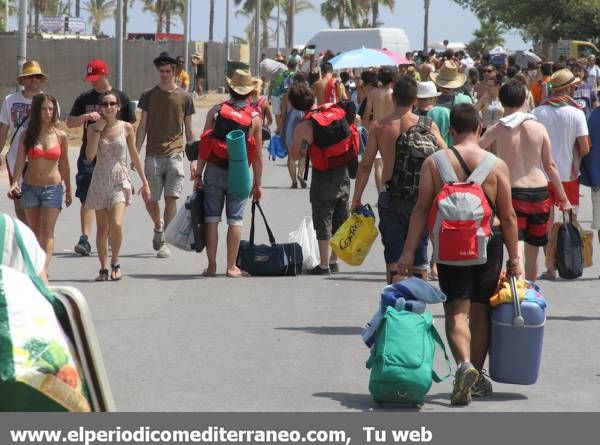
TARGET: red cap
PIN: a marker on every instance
(95, 69)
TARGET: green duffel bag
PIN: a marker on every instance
(401, 360)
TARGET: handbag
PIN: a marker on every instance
(569, 254)
(269, 260)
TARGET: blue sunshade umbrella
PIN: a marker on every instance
(361, 58)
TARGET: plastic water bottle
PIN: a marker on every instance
(416, 306)
(368, 333)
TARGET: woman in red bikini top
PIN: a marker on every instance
(45, 149)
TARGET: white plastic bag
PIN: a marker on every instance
(179, 231)
(307, 238)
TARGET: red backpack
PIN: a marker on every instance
(460, 219)
(335, 140)
(213, 142)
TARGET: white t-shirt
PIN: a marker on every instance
(12, 255)
(564, 126)
(593, 75)
(15, 108)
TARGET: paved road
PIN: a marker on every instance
(174, 341)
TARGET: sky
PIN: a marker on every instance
(446, 21)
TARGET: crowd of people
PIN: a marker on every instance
(529, 135)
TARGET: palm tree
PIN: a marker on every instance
(426, 5)
(211, 20)
(267, 7)
(488, 36)
(176, 7)
(126, 5)
(39, 7)
(156, 7)
(341, 10)
(390, 4)
(99, 11)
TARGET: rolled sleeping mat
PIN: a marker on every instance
(239, 182)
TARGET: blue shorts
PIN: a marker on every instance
(216, 197)
(44, 197)
(394, 219)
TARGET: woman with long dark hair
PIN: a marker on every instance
(45, 148)
(109, 140)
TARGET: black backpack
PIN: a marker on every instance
(412, 148)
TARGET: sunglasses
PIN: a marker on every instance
(109, 104)
(488, 71)
(35, 76)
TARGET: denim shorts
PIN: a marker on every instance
(216, 197)
(44, 196)
(394, 219)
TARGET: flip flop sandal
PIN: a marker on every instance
(547, 276)
(102, 275)
(207, 274)
(115, 272)
(244, 274)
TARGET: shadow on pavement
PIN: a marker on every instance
(325, 330)
(573, 318)
(496, 397)
(362, 402)
(364, 280)
(166, 277)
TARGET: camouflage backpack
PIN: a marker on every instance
(412, 148)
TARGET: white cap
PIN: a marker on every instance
(426, 90)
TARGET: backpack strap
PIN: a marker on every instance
(483, 170)
(425, 122)
(436, 338)
(444, 167)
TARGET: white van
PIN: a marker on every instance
(340, 40)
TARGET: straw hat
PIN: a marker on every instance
(31, 68)
(562, 79)
(426, 90)
(241, 82)
(449, 77)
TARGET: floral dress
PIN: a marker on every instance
(110, 182)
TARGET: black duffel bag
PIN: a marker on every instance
(265, 260)
(195, 204)
(569, 254)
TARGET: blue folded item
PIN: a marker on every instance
(277, 148)
(414, 288)
(534, 295)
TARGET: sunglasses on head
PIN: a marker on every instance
(109, 104)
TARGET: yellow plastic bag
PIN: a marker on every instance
(353, 240)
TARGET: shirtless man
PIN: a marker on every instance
(393, 216)
(379, 104)
(524, 144)
(467, 288)
(324, 88)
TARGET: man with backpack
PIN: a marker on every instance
(397, 137)
(279, 86)
(329, 136)
(213, 161)
(465, 197)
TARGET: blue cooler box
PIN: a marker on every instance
(516, 352)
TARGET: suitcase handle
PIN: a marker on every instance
(518, 321)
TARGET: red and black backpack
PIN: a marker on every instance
(335, 137)
(229, 117)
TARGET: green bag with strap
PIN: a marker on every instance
(38, 367)
(401, 360)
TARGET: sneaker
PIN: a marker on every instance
(464, 379)
(158, 239)
(83, 247)
(164, 251)
(334, 267)
(318, 270)
(482, 387)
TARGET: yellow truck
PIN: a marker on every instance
(574, 49)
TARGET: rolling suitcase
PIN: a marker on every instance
(516, 340)
(81, 331)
